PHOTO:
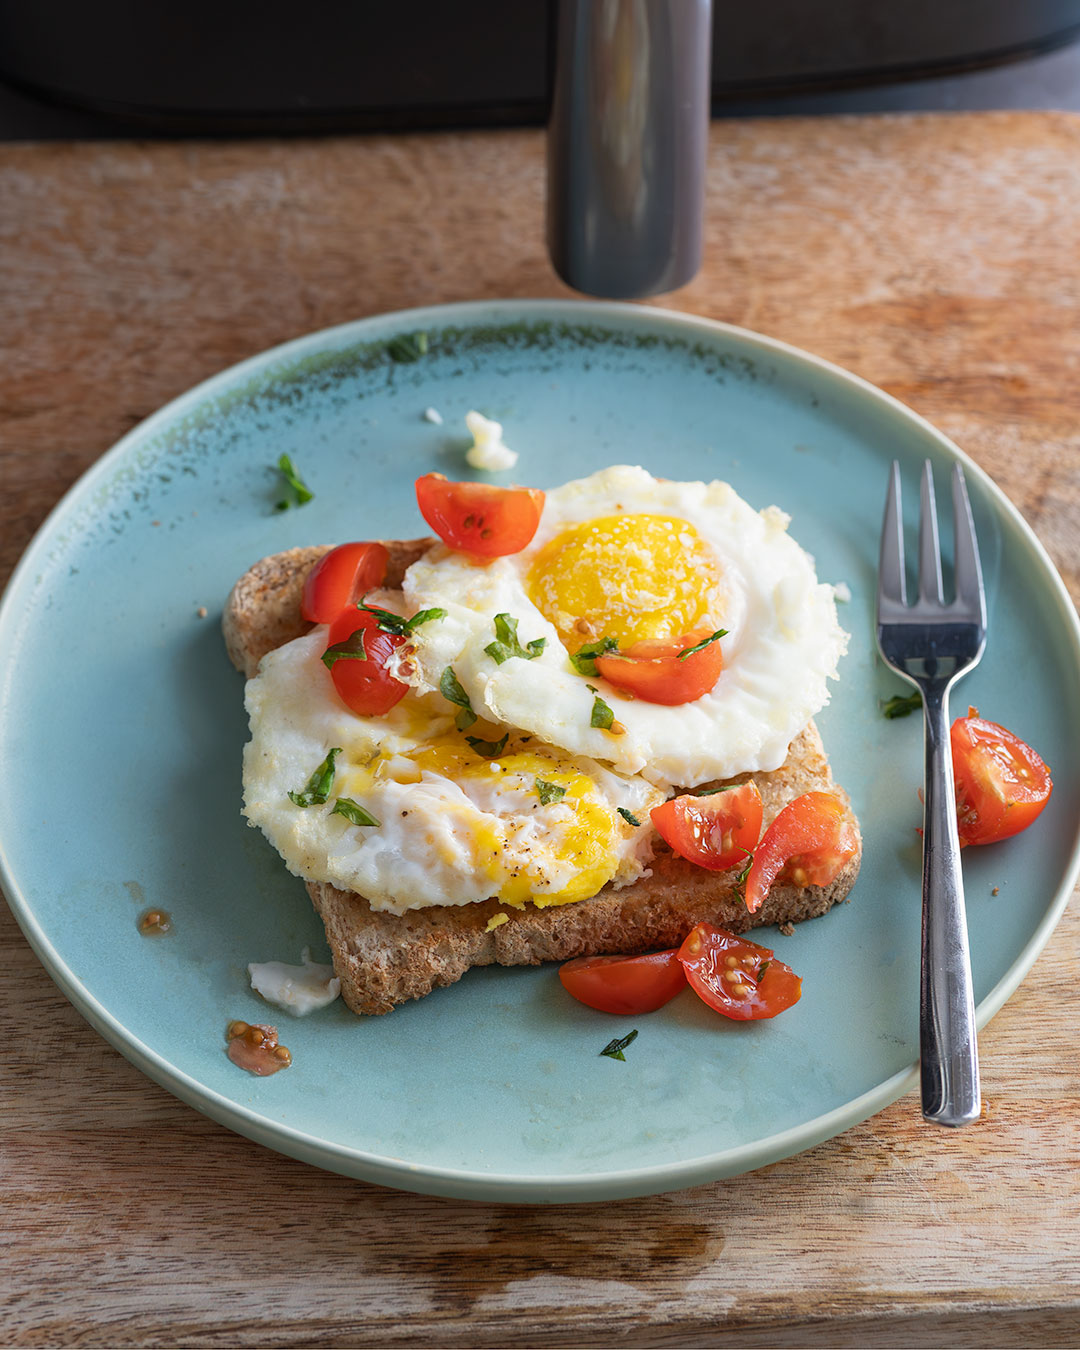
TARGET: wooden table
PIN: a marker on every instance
(938, 257)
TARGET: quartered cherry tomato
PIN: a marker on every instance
(340, 578)
(479, 518)
(1001, 783)
(810, 842)
(716, 831)
(657, 672)
(624, 984)
(736, 977)
(361, 677)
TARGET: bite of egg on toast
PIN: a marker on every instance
(464, 758)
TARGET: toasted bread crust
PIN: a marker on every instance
(263, 608)
(385, 959)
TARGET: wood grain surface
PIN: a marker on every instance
(939, 257)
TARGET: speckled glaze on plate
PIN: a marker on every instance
(124, 783)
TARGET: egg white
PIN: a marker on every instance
(782, 645)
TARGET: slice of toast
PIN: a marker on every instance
(384, 959)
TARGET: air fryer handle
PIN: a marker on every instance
(627, 140)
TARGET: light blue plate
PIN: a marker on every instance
(121, 726)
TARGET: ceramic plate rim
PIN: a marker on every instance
(464, 1183)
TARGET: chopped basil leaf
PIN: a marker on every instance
(628, 816)
(352, 649)
(740, 880)
(353, 811)
(614, 1049)
(584, 659)
(451, 690)
(602, 716)
(293, 479)
(902, 704)
(390, 622)
(711, 792)
(424, 616)
(549, 792)
(489, 749)
(761, 970)
(319, 784)
(407, 348)
(689, 651)
(506, 642)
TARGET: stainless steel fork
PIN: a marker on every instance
(932, 644)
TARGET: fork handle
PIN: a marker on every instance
(949, 1050)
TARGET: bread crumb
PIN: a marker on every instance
(496, 921)
(200, 613)
(994, 890)
(788, 929)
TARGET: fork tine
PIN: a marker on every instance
(969, 584)
(930, 587)
(892, 584)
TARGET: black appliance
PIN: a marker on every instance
(227, 66)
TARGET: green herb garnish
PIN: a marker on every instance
(740, 880)
(353, 811)
(761, 970)
(489, 749)
(451, 690)
(602, 716)
(549, 792)
(352, 649)
(293, 479)
(584, 659)
(902, 704)
(506, 642)
(711, 792)
(628, 816)
(390, 622)
(407, 348)
(689, 651)
(614, 1049)
(319, 784)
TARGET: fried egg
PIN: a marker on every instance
(455, 820)
(624, 555)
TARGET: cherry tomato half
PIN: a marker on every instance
(736, 977)
(716, 831)
(655, 671)
(363, 683)
(810, 842)
(340, 578)
(1001, 783)
(479, 518)
(624, 984)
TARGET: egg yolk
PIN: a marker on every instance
(515, 851)
(585, 841)
(629, 577)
